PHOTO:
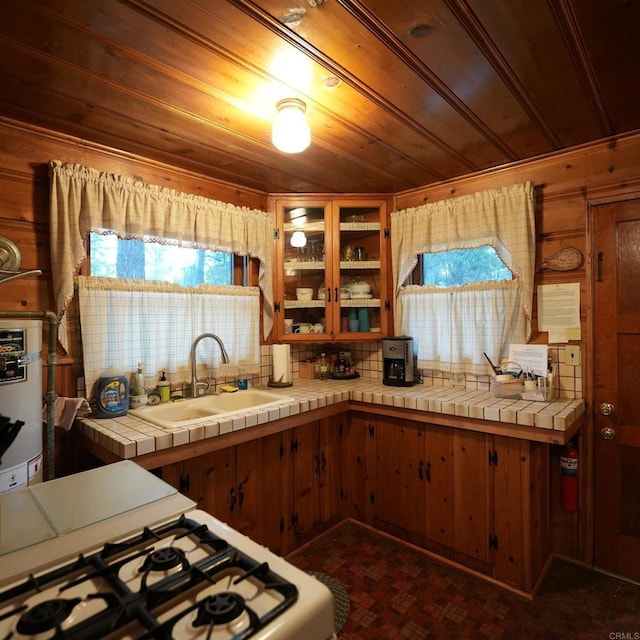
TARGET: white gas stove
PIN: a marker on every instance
(186, 576)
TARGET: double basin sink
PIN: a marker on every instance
(172, 415)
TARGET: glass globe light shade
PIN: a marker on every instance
(291, 132)
(298, 239)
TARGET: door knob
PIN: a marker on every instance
(606, 408)
(608, 433)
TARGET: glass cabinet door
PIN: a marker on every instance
(360, 288)
(331, 275)
(304, 279)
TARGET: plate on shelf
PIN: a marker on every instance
(361, 296)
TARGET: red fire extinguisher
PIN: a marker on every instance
(569, 478)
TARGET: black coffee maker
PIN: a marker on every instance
(397, 361)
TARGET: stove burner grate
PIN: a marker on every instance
(164, 560)
(219, 609)
(46, 616)
(122, 608)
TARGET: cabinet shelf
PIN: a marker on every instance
(360, 264)
(359, 226)
(361, 302)
(309, 226)
(303, 304)
(304, 265)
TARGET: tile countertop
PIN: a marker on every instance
(130, 437)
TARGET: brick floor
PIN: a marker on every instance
(398, 593)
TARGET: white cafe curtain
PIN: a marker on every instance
(125, 322)
(453, 327)
(84, 200)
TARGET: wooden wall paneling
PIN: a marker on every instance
(32, 240)
(587, 170)
(30, 293)
(24, 197)
(26, 150)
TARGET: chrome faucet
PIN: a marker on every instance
(195, 385)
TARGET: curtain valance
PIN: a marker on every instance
(84, 200)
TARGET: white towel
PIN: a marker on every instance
(65, 411)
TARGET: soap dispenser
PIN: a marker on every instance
(137, 386)
(164, 388)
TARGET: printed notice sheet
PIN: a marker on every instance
(531, 357)
(559, 311)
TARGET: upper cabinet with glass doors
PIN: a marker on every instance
(332, 270)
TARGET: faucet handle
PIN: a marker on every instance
(199, 385)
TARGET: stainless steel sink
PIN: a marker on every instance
(172, 415)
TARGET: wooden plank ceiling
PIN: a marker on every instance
(399, 93)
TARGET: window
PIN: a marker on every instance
(463, 266)
(460, 303)
(113, 257)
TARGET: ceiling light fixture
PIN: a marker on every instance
(291, 132)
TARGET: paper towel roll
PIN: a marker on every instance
(281, 363)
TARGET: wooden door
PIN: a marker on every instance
(617, 381)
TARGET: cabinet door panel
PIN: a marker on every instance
(325, 246)
(471, 491)
(387, 474)
(330, 465)
(439, 474)
(358, 467)
(212, 477)
(399, 475)
(249, 486)
(412, 496)
(306, 477)
(274, 499)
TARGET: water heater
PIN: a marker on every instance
(21, 448)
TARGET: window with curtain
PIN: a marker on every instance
(127, 321)
(453, 326)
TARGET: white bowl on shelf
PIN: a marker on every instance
(360, 287)
(304, 293)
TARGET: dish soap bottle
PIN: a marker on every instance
(137, 387)
(164, 388)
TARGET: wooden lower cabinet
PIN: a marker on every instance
(277, 490)
(480, 500)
